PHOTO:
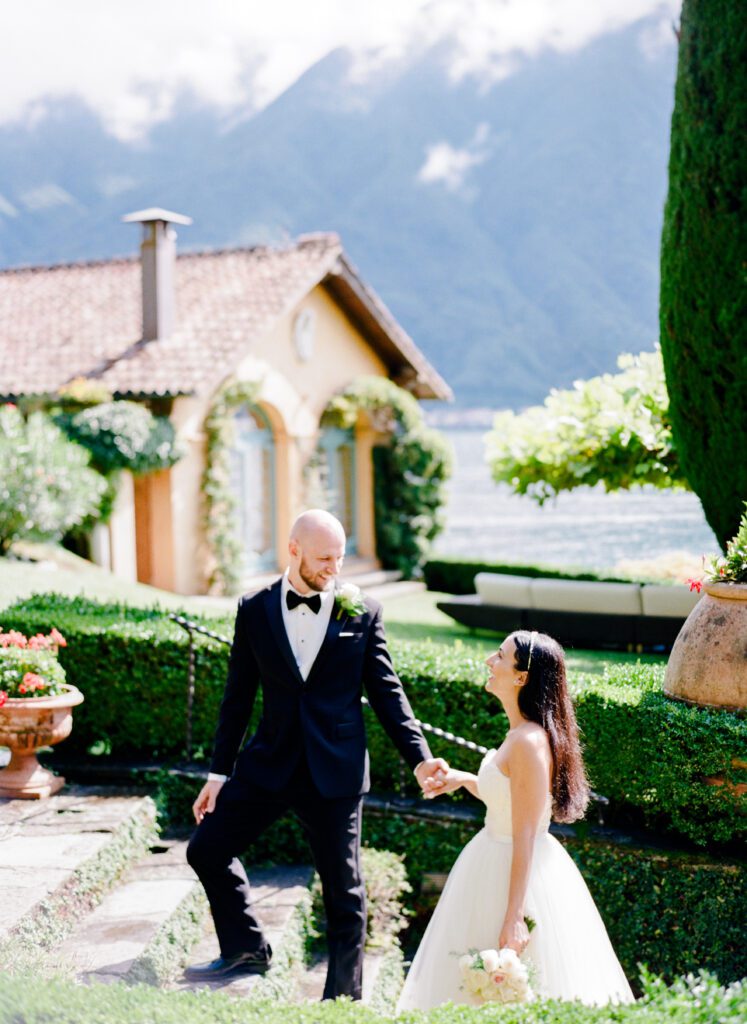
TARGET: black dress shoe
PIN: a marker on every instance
(227, 966)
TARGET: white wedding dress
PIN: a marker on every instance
(569, 947)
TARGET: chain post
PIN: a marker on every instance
(191, 665)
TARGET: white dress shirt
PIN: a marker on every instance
(305, 629)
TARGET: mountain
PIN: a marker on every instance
(512, 230)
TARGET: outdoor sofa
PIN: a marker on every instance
(576, 612)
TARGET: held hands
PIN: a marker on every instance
(430, 775)
(205, 802)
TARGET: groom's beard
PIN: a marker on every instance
(314, 582)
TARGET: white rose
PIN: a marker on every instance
(465, 963)
(491, 959)
(349, 592)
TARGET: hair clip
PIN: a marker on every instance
(532, 638)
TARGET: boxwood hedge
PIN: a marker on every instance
(644, 752)
(457, 576)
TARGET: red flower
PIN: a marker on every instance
(3, 697)
(695, 584)
(57, 638)
(13, 639)
(32, 681)
(21, 688)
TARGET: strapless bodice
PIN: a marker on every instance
(495, 791)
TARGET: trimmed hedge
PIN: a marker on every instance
(30, 1000)
(674, 911)
(456, 576)
(643, 751)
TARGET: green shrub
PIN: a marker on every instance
(457, 576)
(46, 484)
(123, 435)
(386, 886)
(31, 1000)
(642, 749)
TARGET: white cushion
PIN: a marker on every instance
(502, 589)
(675, 602)
(582, 596)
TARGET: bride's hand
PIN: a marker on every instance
(514, 934)
(452, 780)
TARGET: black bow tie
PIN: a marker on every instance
(292, 599)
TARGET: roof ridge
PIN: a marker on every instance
(26, 268)
(307, 240)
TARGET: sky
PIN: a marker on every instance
(130, 60)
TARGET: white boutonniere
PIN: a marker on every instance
(349, 599)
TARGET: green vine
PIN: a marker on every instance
(409, 474)
(220, 503)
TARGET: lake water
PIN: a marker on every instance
(584, 527)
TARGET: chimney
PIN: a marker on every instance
(157, 260)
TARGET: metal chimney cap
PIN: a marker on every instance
(155, 213)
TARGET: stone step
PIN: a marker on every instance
(58, 857)
(142, 930)
(282, 903)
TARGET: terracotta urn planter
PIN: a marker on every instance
(26, 725)
(708, 663)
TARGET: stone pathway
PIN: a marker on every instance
(89, 891)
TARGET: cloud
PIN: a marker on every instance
(131, 61)
(449, 166)
(44, 197)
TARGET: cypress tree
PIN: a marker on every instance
(703, 308)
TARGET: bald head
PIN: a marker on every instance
(316, 522)
(316, 548)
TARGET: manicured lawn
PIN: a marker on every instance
(62, 572)
(415, 617)
(412, 616)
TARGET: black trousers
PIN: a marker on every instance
(242, 812)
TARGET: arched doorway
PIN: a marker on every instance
(253, 483)
(336, 452)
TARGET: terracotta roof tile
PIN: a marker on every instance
(84, 319)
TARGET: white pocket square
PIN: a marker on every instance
(348, 634)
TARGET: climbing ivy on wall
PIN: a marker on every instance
(220, 504)
(409, 473)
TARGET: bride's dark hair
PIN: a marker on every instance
(544, 699)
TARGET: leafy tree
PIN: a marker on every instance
(612, 429)
(703, 308)
(46, 485)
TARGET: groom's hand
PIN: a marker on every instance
(430, 775)
(205, 802)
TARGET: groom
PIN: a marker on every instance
(311, 650)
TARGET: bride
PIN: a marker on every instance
(513, 868)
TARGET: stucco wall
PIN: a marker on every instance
(294, 394)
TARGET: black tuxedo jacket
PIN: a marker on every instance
(322, 716)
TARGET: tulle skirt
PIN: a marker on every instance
(569, 949)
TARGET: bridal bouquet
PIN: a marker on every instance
(496, 976)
